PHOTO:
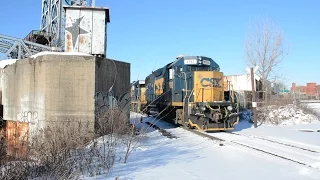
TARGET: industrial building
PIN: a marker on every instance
(242, 85)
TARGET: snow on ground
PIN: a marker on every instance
(193, 157)
(315, 106)
(285, 141)
(288, 132)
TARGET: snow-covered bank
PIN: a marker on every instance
(285, 115)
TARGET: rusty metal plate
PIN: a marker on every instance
(17, 138)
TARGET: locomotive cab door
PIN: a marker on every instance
(178, 85)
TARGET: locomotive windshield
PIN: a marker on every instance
(199, 63)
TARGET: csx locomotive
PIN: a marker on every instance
(190, 91)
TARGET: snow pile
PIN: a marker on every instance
(4, 63)
(285, 115)
(59, 53)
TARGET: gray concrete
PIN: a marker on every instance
(57, 88)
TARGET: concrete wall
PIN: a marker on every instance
(23, 91)
(112, 73)
(112, 87)
(56, 88)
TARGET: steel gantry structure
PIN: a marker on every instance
(50, 37)
(15, 48)
(53, 18)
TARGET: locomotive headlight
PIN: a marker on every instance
(229, 108)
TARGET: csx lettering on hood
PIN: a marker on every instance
(214, 82)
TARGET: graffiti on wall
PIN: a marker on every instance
(28, 116)
(106, 100)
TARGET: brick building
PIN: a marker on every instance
(311, 89)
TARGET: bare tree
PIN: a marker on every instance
(264, 48)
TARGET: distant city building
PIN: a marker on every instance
(310, 90)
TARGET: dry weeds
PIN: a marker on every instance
(69, 150)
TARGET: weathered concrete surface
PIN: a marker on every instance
(57, 88)
(113, 79)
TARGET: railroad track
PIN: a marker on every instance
(301, 155)
(277, 142)
(273, 154)
(296, 154)
(186, 128)
(203, 134)
(305, 156)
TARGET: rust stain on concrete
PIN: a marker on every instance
(17, 139)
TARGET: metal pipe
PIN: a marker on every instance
(254, 103)
(228, 83)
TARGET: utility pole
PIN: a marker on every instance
(254, 103)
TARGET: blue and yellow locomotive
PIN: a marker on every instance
(190, 91)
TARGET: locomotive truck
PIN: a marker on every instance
(190, 91)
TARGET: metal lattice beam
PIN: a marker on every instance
(15, 48)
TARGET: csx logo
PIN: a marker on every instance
(212, 82)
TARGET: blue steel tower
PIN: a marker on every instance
(53, 18)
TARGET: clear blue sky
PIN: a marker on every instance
(151, 33)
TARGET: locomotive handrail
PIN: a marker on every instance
(155, 100)
(186, 90)
(189, 99)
